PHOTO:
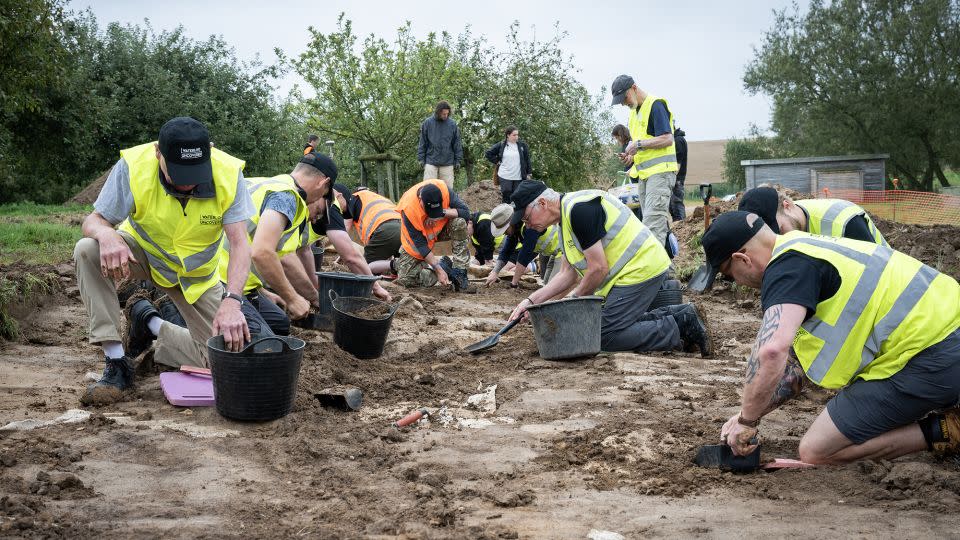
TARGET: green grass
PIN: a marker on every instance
(39, 234)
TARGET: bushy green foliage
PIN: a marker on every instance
(867, 76)
(737, 150)
(377, 93)
(115, 87)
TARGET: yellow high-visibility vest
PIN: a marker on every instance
(632, 252)
(829, 217)
(182, 242)
(548, 244)
(289, 241)
(650, 161)
(889, 308)
(497, 240)
(309, 237)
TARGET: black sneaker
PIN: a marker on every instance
(117, 378)
(169, 312)
(693, 329)
(139, 336)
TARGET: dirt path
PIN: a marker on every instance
(603, 444)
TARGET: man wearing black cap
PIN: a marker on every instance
(174, 200)
(651, 152)
(618, 258)
(328, 217)
(827, 217)
(880, 326)
(431, 211)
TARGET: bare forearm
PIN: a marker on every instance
(293, 268)
(348, 254)
(591, 281)
(518, 272)
(271, 271)
(239, 267)
(661, 141)
(557, 286)
(94, 225)
(305, 255)
(758, 393)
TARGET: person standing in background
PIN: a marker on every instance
(311, 145)
(440, 148)
(677, 210)
(512, 158)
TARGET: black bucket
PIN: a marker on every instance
(670, 294)
(363, 338)
(259, 382)
(344, 284)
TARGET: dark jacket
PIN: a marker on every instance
(495, 155)
(440, 142)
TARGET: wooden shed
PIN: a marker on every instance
(813, 174)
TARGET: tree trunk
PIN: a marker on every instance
(942, 177)
(469, 166)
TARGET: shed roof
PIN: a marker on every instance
(819, 159)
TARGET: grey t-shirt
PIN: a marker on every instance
(283, 202)
(115, 202)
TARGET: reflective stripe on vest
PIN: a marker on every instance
(182, 242)
(632, 252)
(650, 161)
(375, 210)
(548, 242)
(259, 189)
(829, 217)
(411, 207)
(874, 278)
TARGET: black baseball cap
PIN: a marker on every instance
(432, 201)
(619, 88)
(729, 232)
(185, 145)
(524, 194)
(322, 163)
(762, 201)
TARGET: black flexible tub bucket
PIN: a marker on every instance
(259, 382)
(363, 336)
(344, 284)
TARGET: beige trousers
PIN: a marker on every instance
(439, 172)
(174, 347)
(654, 194)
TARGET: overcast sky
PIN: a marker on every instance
(691, 52)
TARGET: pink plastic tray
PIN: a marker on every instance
(185, 390)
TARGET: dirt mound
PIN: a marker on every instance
(935, 245)
(482, 196)
(89, 194)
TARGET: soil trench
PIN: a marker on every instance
(556, 450)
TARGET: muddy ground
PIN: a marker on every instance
(566, 450)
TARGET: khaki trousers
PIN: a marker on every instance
(439, 172)
(654, 194)
(173, 347)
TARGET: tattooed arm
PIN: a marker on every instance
(772, 375)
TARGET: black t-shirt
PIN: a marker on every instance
(484, 242)
(333, 220)
(587, 219)
(857, 229)
(797, 278)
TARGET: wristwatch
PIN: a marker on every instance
(749, 423)
(234, 296)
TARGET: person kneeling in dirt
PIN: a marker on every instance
(828, 217)
(619, 259)
(174, 200)
(523, 248)
(487, 231)
(431, 211)
(331, 218)
(879, 325)
(272, 232)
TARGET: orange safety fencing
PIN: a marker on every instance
(916, 207)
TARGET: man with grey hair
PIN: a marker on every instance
(617, 258)
(651, 152)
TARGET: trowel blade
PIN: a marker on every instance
(720, 456)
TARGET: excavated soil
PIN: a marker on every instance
(482, 196)
(555, 450)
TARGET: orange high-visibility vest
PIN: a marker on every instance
(375, 209)
(411, 208)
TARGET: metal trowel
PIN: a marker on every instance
(720, 456)
(338, 398)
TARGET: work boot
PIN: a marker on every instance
(117, 378)
(693, 329)
(949, 443)
(447, 266)
(169, 312)
(139, 336)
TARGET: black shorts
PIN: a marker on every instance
(384, 242)
(929, 381)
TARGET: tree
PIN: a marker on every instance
(867, 76)
(754, 146)
(378, 94)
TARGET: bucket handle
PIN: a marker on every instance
(332, 294)
(285, 347)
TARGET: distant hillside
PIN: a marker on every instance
(704, 162)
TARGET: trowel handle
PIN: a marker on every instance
(411, 418)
